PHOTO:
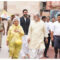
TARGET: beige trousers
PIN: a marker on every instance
(0, 38)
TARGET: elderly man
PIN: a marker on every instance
(1, 30)
(37, 32)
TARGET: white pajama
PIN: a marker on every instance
(36, 53)
(24, 50)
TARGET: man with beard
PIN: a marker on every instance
(25, 22)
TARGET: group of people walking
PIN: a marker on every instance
(53, 34)
(31, 37)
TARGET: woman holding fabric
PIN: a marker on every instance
(14, 39)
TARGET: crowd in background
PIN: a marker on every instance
(31, 38)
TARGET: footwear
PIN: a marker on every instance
(55, 56)
(27, 55)
(46, 56)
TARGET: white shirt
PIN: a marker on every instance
(25, 19)
(48, 26)
(56, 28)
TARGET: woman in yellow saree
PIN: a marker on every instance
(14, 39)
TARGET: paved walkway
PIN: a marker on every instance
(4, 50)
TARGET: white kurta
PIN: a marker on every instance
(37, 32)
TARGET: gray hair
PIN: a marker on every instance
(15, 19)
(37, 15)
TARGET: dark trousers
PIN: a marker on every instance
(56, 45)
(52, 43)
(47, 45)
(56, 51)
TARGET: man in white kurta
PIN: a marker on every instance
(37, 32)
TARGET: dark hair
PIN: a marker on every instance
(48, 16)
(43, 17)
(58, 15)
(53, 17)
(24, 10)
(12, 15)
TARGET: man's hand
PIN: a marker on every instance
(7, 43)
(1, 30)
(17, 31)
(3, 33)
(52, 38)
(28, 40)
(46, 40)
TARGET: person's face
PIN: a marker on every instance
(58, 18)
(36, 18)
(48, 19)
(16, 22)
(53, 19)
(44, 19)
(25, 13)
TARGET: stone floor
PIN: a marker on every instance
(4, 50)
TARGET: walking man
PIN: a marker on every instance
(37, 32)
(25, 22)
(48, 26)
(55, 35)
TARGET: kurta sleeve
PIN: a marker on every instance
(30, 31)
(45, 31)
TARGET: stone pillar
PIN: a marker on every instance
(5, 5)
